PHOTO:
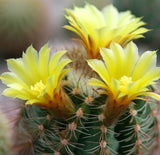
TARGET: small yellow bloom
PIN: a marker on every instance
(99, 28)
(37, 79)
(125, 75)
(124, 81)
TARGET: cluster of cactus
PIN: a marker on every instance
(65, 113)
(85, 131)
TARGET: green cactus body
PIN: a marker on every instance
(89, 100)
(85, 131)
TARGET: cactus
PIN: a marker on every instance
(5, 135)
(106, 105)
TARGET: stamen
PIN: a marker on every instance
(123, 83)
(38, 87)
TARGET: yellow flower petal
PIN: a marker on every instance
(153, 95)
(30, 61)
(12, 80)
(108, 13)
(125, 74)
(97, 83)
(99, 67)
(37, 79)
(14, 93)
(98, 29)
(131, 51)
(146, 62)
(17, 67)
(54, 61)
(43, 62)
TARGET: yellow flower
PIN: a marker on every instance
(126, 76)
(37, 79)
(99, 28)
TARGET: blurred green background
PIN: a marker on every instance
(150, 11)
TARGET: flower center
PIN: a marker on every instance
(38, 87)
(123, 83)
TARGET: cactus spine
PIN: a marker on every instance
(85, 131)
